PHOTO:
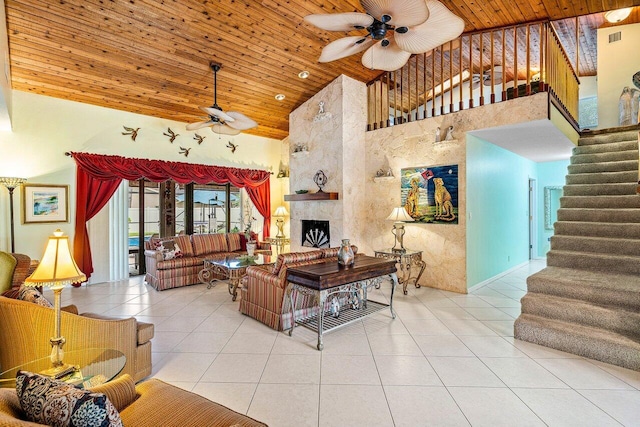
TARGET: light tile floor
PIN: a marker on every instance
(446, 360)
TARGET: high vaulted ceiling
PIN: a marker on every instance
(152, 56)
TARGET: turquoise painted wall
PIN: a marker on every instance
(550, 174)
(497, 209)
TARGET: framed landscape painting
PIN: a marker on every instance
(42, 203)
(429, 194)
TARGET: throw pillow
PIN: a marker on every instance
(12, 293)
(33, 295)
(59, 404)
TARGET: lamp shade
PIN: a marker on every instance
(281, 211)
(57, 268)
(11, 182)
(399, 215)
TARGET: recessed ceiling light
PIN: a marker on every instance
(303, 74)
(280, 97)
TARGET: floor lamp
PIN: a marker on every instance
(11, 184)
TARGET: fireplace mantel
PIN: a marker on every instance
(310, 196)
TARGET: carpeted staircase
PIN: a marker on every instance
(587, 300)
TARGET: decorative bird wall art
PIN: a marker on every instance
(232, 146)
(131, 131)
(171, 134)
(199, 138)
(184, 151)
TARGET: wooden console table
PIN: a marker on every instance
(406, 260)
(327, 279)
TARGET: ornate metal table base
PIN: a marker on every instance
(406, 261)
(212, 272)
(352, 295)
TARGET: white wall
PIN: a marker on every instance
(617, 63)
(45, 128)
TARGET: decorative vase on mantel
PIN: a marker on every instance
(346, 256)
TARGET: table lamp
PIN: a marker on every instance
(280, 213)
(11, 184)
(56, 269)
(399, 216)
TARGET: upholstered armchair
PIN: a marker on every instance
(25, 329)
(14, 268)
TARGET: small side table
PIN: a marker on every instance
(279, 243)
(94, 366)
(406, 261)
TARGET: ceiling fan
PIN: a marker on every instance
(229, 123)
(485, 77)
(396, 29)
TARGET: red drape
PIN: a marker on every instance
(92, 194)
(98, 177)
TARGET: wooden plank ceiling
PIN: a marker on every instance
(152, 56)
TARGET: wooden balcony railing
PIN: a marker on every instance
(473, 70)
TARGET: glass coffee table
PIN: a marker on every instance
(231, 268)
(90, 367)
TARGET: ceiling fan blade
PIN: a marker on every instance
(403, 13)
(344, 47)
(441, 27)
(389, 58)
(497, 76)
(223, 129)
(240, 122)
(217, 113)
(339, 21)
(199, 125)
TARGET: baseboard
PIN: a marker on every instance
(497, 276)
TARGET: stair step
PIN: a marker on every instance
(601, 288)
(589, 342)
(603, 177)
(612, 189)
(602, 245)
(613, 319)
(624, 201)
(610, 156)
(594, 229)
(602, 214)
(611, 146)
(590, 138)
(625, 264)
(595, 167)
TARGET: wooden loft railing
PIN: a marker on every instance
(473, 70)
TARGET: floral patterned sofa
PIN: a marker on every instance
(263, 290)
(179, 259)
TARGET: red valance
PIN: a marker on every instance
(105, 167)
(98, 177)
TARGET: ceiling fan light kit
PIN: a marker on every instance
(396, 29)
(229, 123)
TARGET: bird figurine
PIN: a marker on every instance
(184, 151)
(438, 134)
(131, 131)
(199, 138)
(232, 146)
(171, 134)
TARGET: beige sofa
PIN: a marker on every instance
(151, 403)
(25, 329)
(183, 271)
(263, 290)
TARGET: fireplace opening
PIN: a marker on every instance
(315, 234)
